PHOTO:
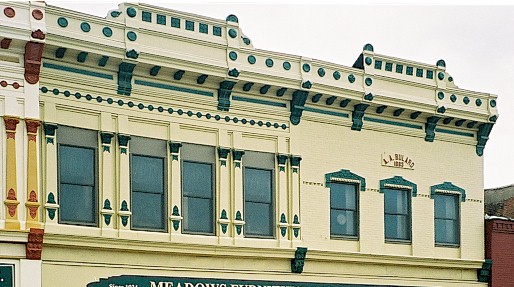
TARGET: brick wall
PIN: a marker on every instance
(499, 247)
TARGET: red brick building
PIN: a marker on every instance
(499, 235)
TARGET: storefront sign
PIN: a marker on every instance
(153, 281)
(397, 160)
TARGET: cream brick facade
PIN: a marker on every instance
(144, 71)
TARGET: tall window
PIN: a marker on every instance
(446, 207)
(77, 176)
(259, 214)
(198, 188)
(397, 217)
(343, 210)
(148, 183)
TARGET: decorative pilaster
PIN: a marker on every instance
(11, 202)
(295, 198)
(50, 173)
(176, 195)
(237, 156)
(107, 193)
(124, 212)
(32, 204)
(224, 193)
(283, 199)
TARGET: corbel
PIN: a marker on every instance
(357, 115)
(224, 92)
(482, 136)
(298, 261)
(297, 106)
(32, 60)
(123, 142)
(125, 70)
(175, 149)
(223, 155)
(237, 156)
(106, 138)
(430, 128)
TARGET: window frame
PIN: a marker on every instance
(164, 195)
(96, 180)
(356, 211)
(273, 214)
(457, 220)
(409, 216)
(213, 197)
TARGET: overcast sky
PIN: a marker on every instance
(477, 43)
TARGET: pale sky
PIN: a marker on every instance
(477, 43)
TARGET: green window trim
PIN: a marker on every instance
(345, 176)
(448, 188)
(398, 182)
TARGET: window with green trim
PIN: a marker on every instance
(198, 175)
(446, 219)
(77, 156)
(344, 207)
(397, 214)
(148, 184)
(259, 194)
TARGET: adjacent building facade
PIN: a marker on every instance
(159, 148)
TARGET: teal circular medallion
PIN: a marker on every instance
(306, 68)
(478, 102)
(321, 72)
(465, 100)
(107, 31)
(251, 59)
(232, 33)
(84, 26)
(493, 103)
(232, 55)
(351, 78)
(131, 12)
(63, 22)
(368, 61)
(131, 35)
(247, 40)
(453, 98)
(450, 79)
(440, 95)
(269, 63)
(286, 66)
(336, 75)
(368, 81)
(115, 14)
(440, 75)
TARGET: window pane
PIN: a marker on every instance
(446, 206)
(77, 204)
(258, 218)
(197, 179)
(343, 222)
(446, 231)
(198, 215)
(148, 210)
(397, 227)
(76, 165)
(342, 196)
(396, 201)
(257, 185)
(147, 174)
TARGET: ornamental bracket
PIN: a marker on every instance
(297, 106)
